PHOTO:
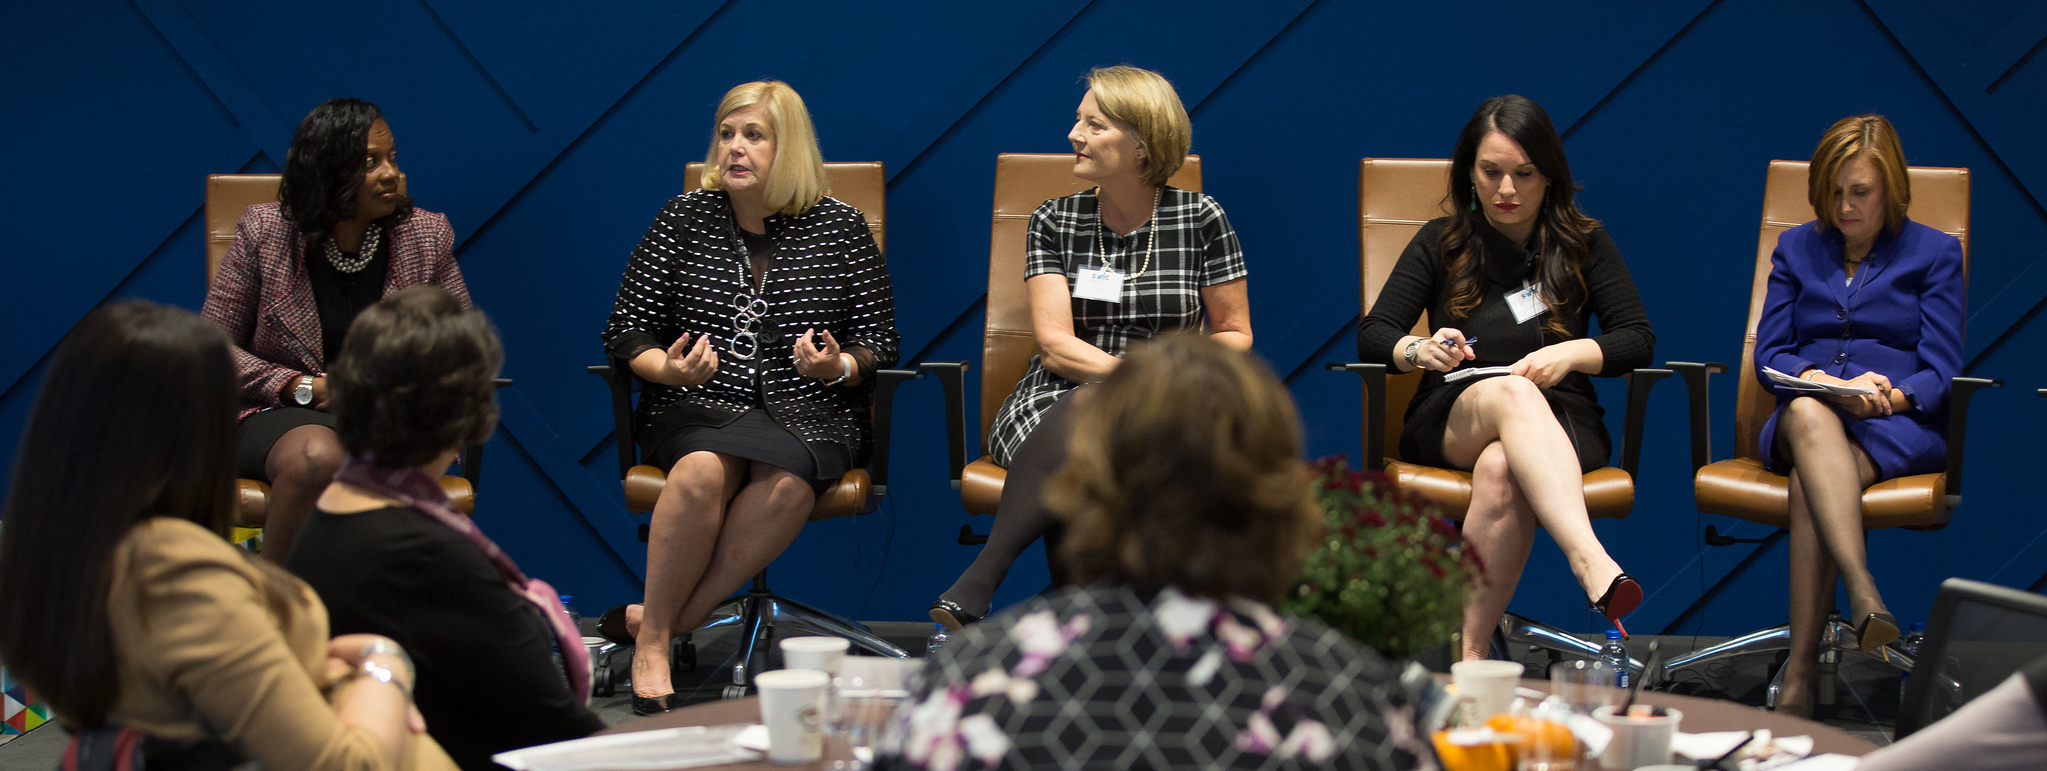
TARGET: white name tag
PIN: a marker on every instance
(1526, 303)
(1104, 284)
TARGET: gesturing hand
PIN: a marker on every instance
(690, 365)
(818, 361)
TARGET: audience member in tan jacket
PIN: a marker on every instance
(122, 605)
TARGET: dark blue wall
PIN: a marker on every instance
(550, 133)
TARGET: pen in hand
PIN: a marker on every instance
(1467, 341)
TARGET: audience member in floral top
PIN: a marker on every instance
(1188, 511)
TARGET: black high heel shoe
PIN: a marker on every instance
(953, 616)
(653, 705)
(611, 626)
(1622, 597)
(1875, 630)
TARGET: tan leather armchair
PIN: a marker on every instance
(862, 186)
(1396, 197)
(1743, 488)
(1023, 181)
(227, 196)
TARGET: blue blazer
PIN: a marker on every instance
(1902, 318)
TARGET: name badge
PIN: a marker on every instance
(1104, 284)
(1526, 303)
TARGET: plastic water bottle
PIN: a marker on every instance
(575, 619)
(1615, 654)
(937, 640)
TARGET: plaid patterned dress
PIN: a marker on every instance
(1196, 248)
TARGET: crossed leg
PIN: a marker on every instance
(1524, 472)
(1828, 474)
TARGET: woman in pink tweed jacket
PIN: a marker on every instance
(342, 236)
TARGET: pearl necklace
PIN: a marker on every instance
(1151, 239)
(372, 237)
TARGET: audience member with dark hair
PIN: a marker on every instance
(412, 385)
(121, 602)
(1517, 264)
(341, 236)
(1861, 296)
(1188, 510)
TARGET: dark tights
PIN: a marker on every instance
(1021, 518)
(299, 466)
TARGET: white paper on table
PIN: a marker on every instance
(685, 747)
(1827, 762)
(1472, 372)
(1790, 383)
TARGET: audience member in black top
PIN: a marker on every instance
(1514, 288)
(413, 384)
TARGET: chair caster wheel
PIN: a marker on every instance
(600, 681)
(734, 692)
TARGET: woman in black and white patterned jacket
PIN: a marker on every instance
(757, 309)
(1123, 262)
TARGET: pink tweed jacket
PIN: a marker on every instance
(262, 299)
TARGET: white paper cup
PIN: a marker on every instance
(824, 654)
(1488, 684)
(1637, 740)
(792, 707)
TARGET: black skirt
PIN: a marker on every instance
(261, 431)
(1421, 436)
(754, 436)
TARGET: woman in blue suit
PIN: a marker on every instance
(1861, 296)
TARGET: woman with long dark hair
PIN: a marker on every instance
(122, 603)
(1517, 265)
(341, 236)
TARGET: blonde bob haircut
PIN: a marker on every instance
(1146, 102)
(796, 179)
(1184, 471)
(1868, 136)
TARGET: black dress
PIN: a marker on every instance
(1420, 282)
(487, 681)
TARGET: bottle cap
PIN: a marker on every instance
(1613, 634)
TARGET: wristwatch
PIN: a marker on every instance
(1413, 353)
(304, 393)
(845, 369)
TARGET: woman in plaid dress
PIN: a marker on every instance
(1126, 261)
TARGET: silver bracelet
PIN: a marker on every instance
(845, 369)
(388, 647)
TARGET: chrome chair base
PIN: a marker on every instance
(1836, 638)
(1515, 629)
(759, 612)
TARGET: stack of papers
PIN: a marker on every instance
(1467, 374)
(1790, 383)
(686, 747)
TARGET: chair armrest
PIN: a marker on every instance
(618, 376)
(1372, 378)
(1960, 390)
(1695, 375)
(885, 382)
(472, 456)
(1639, 383)
(952, 378)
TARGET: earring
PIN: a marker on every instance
(1474, 198)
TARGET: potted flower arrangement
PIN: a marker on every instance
(1390, 572)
